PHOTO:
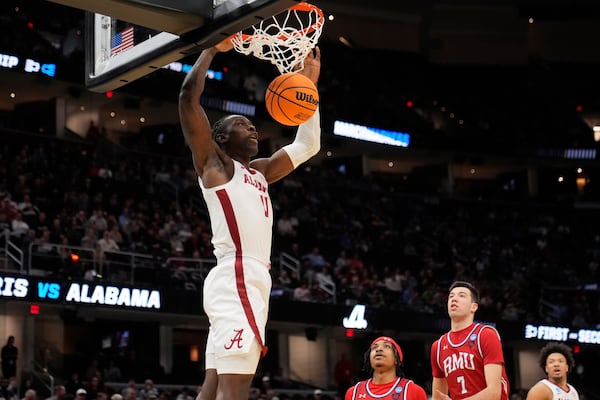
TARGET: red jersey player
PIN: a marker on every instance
(387, 382)
(467, 362)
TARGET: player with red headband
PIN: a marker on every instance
(384, 360)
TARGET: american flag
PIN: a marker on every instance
(121, 41)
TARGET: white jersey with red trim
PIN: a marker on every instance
(241, 215)
(559, 394)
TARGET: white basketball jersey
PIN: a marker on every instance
(559, 394)
(241, 215)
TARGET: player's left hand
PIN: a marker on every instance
(312, 65)
(225, 45)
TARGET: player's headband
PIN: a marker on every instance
(392, 341)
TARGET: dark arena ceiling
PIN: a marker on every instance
(510, 69)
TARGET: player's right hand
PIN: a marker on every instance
(312, 65)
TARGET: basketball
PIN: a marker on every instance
(291, 99)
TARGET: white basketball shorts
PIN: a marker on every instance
(236, 300)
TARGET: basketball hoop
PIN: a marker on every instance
(284, 39)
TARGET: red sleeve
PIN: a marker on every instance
(415, 392)
(349, 393)
(491, 346)
(436, 372)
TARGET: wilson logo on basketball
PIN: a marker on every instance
(307, 98)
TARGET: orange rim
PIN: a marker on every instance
(302, 6)
(307, 7)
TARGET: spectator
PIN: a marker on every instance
(11, 391)
(286, 226)
(73, 383)
(30, 394)
(9, 355)
(28, 210)
(315, 258)
(19, 227)
(107, 243)
(302, 292)
(185, 394)
(130, 392)
(148, 391)
(98, 221)
(58, 393)
(112, 373)
(81, 394)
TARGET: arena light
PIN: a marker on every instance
(346, 42)
(229, 106)
(579, 154)
(371, 134)
(561, 334)
(596, 130)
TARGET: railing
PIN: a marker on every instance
(293, 264)
(122, 266)
(44, 258)
(119, 266)
(327, 285)
(289, 262)
(41, 375)
(126, 266)
(4, 234)
(12, 252)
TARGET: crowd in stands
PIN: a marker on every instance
(377, 244)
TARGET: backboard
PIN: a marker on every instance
(127, 39)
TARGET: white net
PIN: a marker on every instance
(284, 39)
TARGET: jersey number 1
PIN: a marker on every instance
(461, 381)
(265, 201)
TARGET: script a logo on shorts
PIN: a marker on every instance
(235, 340)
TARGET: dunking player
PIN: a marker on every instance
(384, 358)
(237, 289)
(556, 359)
(467, 362)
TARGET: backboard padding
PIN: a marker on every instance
(157, 18)
(183, 27)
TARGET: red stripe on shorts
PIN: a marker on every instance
(239, 265)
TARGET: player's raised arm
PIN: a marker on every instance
(194, 122)
(307, 142)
